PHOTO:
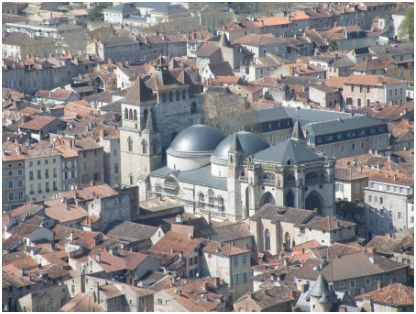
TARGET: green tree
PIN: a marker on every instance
(406, 30)
(332, 46)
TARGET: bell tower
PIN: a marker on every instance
(140, 141)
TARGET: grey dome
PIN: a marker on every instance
(250, 143)
(196, 138)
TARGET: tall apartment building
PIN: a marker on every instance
(388, 197)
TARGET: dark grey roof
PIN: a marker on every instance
(131, 232)
(296, 152)
(119, 40)
(221, 69)
(230, 232)
(321, 288)
(122, 8)
(341, 125)
(250, 143)
(286, 214)
(196, 138)
(201, 176)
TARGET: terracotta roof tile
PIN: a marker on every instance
(395, 294)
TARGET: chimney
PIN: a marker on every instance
(285, 262)
(71, 236)
(293, 294)
(101, 133)
(98, 258)
(179, 219)
(304, 287)
(180, 255)
(379, 285)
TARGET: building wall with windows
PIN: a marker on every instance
(14, 192)
(386, 207)
(234, 270)
(43, 176)
(91, 166)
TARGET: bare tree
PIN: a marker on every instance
(226, 111)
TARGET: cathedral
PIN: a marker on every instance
(230, 178)
(225, 178)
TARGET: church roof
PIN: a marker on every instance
(250, 144)
(138, 93)
(196, 138)
(287, 214)
(201, 176)
(289, 150)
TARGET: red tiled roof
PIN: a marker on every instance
(395, 294)
(38, 122)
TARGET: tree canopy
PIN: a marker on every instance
(406, 30)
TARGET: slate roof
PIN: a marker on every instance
(221, 69)
(138, 93)
(201, 176)
(340, 125)
(286, 214)
(290, 150)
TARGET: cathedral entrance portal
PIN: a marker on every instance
(267, 198)
(313, 201)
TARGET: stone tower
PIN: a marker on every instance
(234, 166)
(140, 143)
(322, 297)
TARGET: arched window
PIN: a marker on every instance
(221, 203)
(155, 145)
(144, 146)
(171, 186)
(311, 178)
(145, 114)
(178, 95)
(170, 96)
(163, 97)
(131, 114)
(211, 197)
(193, 107)
(183, 94)
(267, 240)
(135, 115)
(126, 113)
(201, 200)
(130, 144)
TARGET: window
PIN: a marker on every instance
(399, 215)
(46, 161)
(178, 95)
(235, 261)
(10, 184)
(163, 97)
(352, 283)
(39, 174)
(170, 96)
(31, 164)
(20, 195)
(130, 144)
(201, 200)
(267, 240)
(39, 188)
(183, 94)
(20, 183)
(10, 196)
(31, 175)
(144, 147)
(370, 198)
(10, 173)
(380, 200)
(46, 173)
(244, 259)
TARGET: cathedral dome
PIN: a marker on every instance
(197, 138)
(250, 143)
(192, 148)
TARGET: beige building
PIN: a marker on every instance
(13, 167)
(365, 90)
(387, 198)
(43, 171)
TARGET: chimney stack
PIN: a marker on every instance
(379, 285)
